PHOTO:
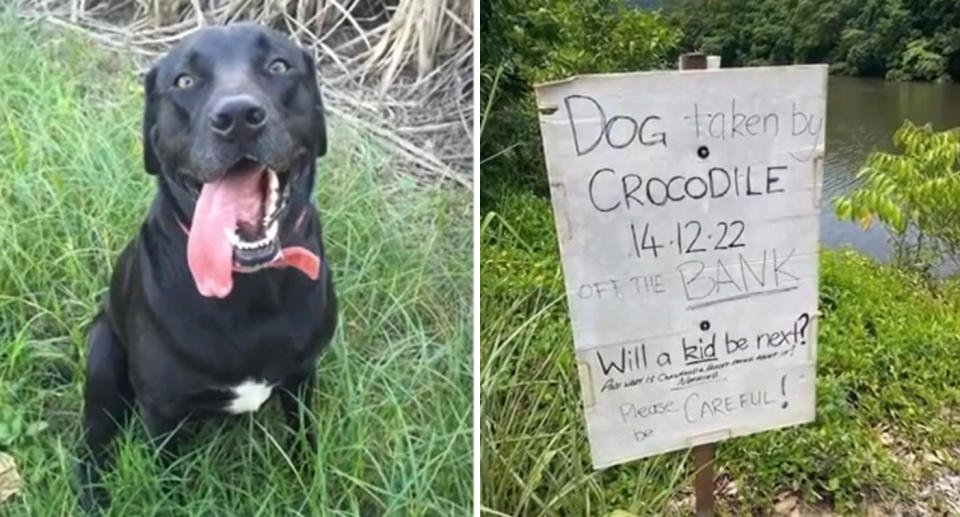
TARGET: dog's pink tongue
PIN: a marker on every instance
(221, 204)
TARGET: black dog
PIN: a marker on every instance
(223, 298)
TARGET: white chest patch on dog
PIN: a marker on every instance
(249, 395)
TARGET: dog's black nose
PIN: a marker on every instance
(237, 117)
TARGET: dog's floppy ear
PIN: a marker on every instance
(320, 124)
(150, 160)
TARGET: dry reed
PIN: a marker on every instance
(401, 69)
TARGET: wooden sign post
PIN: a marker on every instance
(687, 212)
(703, 454)
(703, 485)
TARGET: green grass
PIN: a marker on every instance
(889, 353)
(393, 405)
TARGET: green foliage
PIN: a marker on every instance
(915, 193)
(873, 37)
(886, 367)
(526, 42)
(921, 61)
(534, 455)
(15, 429)
(393, 404)
(897, 39)
(887, 347)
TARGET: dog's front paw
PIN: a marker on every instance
(92, 497)
(303, 443)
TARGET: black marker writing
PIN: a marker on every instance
(618, 131)
(609, 190)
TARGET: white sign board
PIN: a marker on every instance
(687, 207)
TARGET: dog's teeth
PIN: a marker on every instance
(270, 208)
(262, 243)
(274, 181)
(270, 205)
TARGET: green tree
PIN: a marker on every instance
(526, 42)
(915, 192)
(897, 39)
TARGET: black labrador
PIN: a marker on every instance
(223, 298)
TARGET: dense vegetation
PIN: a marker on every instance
(523, 43)
(394, 398)
(915, 193)
(887, 396)
(896, 39)
(526, 42)
(886, 392)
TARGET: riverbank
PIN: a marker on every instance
(888, 404)
(862, 115)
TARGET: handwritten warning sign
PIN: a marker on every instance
(686, 205)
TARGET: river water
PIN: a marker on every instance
(862, 115)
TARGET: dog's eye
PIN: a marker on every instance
(278, 66)
(184, 81)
